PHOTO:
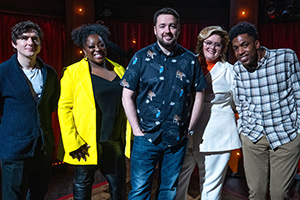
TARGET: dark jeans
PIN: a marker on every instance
(27, 178)
(111, 162)
(144, 158)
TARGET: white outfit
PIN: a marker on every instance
(214, 138)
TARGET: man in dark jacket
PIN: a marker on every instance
(28, 95)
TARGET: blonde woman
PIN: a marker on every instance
(215, 133)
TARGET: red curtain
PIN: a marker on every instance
(53, 41)
(188, 35)
(53, 44)
(280, 35)
(133, 36)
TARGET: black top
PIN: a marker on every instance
(110, 113)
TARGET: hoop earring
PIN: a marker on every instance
(85, 57)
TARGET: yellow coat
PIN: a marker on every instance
(77, 113)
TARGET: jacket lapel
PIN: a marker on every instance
(215, 72)
(21, 82)
(44, 73)
(119, 70)
(20, 77)
(86, 80)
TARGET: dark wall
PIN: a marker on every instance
(191, 11)
(55, 8)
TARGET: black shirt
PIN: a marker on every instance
(165, 85)
(110, 113)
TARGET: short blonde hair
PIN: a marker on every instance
(206, 33)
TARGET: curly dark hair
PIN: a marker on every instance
(166, 11)
(241, 28)
(24, 27)
(80, 34)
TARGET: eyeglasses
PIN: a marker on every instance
(210, 43)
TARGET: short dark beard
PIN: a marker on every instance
(168, 47)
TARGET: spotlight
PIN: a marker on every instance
(287, 12)
(296, 11)
(271, 9)
(80, 10)
(271, 12)
(280, 10)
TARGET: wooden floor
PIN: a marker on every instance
(235, 187)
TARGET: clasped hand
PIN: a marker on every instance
(82, 152)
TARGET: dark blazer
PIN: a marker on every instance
(23, 119)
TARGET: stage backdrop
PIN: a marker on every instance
(137, 35)
(129, 37)
(280, 35)
(133, 36)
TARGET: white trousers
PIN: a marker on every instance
(212, 170)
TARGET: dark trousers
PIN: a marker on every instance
(111, 162)
(145, 156)
(26, 179)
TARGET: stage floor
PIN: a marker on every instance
(235, 187)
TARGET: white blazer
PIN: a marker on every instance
(216, 129)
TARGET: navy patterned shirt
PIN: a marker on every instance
(269, 98)
(165, 85)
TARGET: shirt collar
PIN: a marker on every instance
(157, 49)
(265, 58)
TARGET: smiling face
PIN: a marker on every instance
(212, 47)
(28, 45)
(95, 49)
(167, 31)
(245, 49)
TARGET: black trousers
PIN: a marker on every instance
(26, 179)
(111, 162)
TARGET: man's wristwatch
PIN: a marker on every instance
(191, 132)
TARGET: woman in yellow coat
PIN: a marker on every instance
(92, 120)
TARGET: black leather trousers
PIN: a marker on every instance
(111, 162)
